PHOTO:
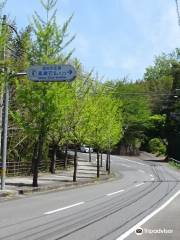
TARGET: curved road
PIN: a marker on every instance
(142, 192)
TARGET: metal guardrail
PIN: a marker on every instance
(175, 160)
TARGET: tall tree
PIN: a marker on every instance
(173, 115)
(158, 79)
(48, 43)
(135, 112)
(101, 124)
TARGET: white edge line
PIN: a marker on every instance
(64, 208)
(139, 184)
(131, 230)
(110, 194)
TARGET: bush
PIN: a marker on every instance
(157, 146)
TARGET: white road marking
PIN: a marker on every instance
(64, 208)
(139, 184)
(133, 161)
(113, 193)
(151, 175)
(131, 230)
(125, 165)
(152, 179)
(141, 171)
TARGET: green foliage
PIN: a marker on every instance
(157, 146)
(156, 126)
(101, 124)
(162, 80)
(159, 80)
(135, 113)
(50, 38)
(86, 110)
(173, 117)
(174, 164)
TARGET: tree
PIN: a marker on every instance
(101, 125)
(173, 116)
(38, 113)
(11, 52)
(135, 113)
(158, 79)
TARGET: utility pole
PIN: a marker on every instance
(109, 157)
(178, 13)
(4, 130)
(5, 133)
(4, 117)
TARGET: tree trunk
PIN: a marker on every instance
(101, 159)
(75, 165)
(66, 156)
(1, 115)
(39, 158)
(98, 166)
(34, 157)
(107, 161)
(89, 155)
(53, 159)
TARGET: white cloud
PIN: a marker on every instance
(167, 32)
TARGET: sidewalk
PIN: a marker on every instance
(86, 174)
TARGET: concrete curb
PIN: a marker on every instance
(8, 193)
(14, 194)
(66, 186)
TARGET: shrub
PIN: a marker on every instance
(157, 146)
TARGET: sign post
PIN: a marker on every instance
(51, 73)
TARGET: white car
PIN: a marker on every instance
(86, 149)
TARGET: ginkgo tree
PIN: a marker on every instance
(39, 111)
(101, 123)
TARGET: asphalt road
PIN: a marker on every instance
(144, 194)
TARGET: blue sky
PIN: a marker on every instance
(118, 38)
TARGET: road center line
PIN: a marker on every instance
(125, 165)
(141, 171)
(64, 208)
(125, 159)
(131, 230)
(139, 184)
(113, 193)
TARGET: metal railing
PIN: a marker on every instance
(15, 168)
(174, 160)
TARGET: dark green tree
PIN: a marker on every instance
(173, 115)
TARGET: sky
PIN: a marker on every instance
(116, 38)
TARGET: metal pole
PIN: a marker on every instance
(3, 147)
(5, 133)
(109, 157)
(1, 111)
(3, 170)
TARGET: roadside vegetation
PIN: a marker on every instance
(174, 164)
(120, 116)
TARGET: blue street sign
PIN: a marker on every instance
(51, 73)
